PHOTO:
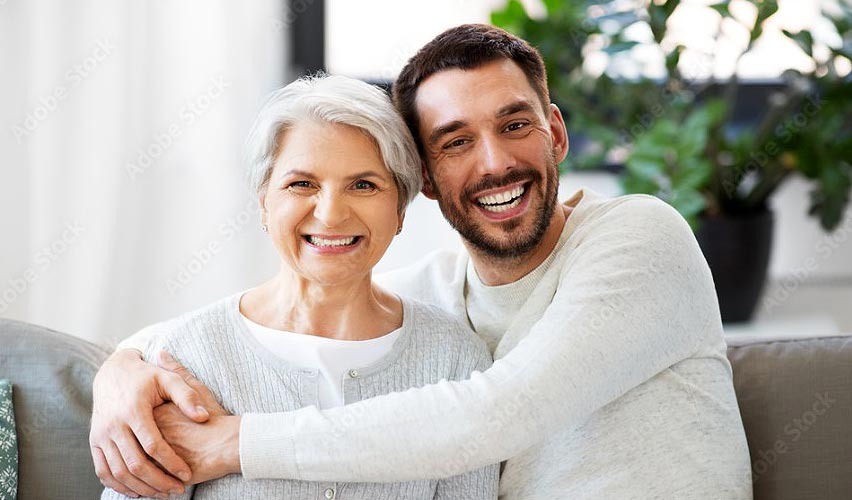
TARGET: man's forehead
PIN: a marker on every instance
(459, 94)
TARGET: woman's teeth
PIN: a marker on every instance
(324, 242)
(501, 202)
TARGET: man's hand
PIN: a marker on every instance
(129, 452)
(211, 449)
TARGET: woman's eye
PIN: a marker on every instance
(362, 185)
(299, 185)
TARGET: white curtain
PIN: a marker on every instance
(122, 196)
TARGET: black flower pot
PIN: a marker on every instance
(737, 250)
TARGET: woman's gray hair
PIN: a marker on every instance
(335, 99)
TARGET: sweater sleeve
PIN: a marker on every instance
(140, 340)
(635, 297)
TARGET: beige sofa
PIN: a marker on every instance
(795, 397)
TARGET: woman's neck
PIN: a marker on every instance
(358, 310)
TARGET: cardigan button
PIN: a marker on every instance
(329, 493)
(353, 373)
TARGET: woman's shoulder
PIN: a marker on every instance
(201, 324)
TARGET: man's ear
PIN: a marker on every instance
(558, 133)
(428, 189)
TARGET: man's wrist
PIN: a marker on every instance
(231, 453)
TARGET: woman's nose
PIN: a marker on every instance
(331, 209)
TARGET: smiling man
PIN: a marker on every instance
(610, 377)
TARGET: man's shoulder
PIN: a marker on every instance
(630, 208)
(638, 217)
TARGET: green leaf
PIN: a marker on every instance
(635, 185)
(765, 9)
(689, 203)
(722, 8)
(804, 39)
(511, 18)
(619, 46)
(692, 174)
(644, 168)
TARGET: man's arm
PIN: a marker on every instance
(639, 299)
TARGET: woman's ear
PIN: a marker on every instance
(428, 189)
(261, 201)
(401, 221)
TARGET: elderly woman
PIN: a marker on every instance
(334, 168)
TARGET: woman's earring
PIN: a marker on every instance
(265, 229)
(399, 230)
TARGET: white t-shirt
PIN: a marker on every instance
(331, 357)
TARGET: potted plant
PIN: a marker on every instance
(677, 137)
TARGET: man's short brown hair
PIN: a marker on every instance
(467, 46)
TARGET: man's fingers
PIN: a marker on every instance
(149, 436)
(105, 475)
(123, 476)
(186, 400)
(142, 468)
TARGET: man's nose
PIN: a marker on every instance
(331, 209)
(496, 158)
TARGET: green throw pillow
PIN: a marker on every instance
(8, 444)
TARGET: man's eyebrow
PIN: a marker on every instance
(515, 107)
(445, 129)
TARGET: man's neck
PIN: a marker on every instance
(493, 271)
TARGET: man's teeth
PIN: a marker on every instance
(324, 242)
(501, 202)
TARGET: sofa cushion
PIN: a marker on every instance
(52, 374)
(795, 397)
(8, 444)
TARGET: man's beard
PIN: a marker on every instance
(516, 240)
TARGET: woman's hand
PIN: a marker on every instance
(211, 449)
(127, 448)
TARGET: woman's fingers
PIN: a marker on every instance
(105, 474)
(119, 471)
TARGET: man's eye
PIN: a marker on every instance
(364, 185)
(515, 126)
(456, 143)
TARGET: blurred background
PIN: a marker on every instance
(122, 192)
